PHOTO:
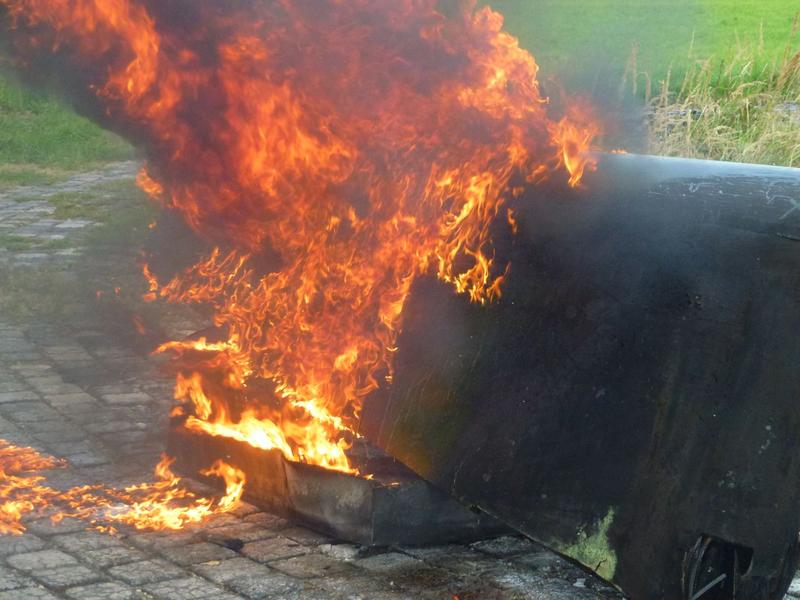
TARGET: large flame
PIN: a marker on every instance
(162, 504)
(363, 142)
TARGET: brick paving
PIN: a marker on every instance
(27, 216)
(71, 390)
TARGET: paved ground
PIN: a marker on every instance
(102, 407)
(28, 224)
(70, 389)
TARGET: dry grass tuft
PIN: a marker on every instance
(744, 108)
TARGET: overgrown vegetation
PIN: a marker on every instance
(744, 107)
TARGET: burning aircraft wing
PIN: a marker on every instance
(633, 400)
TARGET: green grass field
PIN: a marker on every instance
(41, 139)
(587, 38)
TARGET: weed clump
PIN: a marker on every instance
(744, 107)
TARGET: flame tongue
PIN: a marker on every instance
(21, 489)
(163, 504)
(367, 143)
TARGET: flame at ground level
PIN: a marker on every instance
(163, 504)
(21, 489)
(360, 144)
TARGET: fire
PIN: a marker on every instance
(366, 143)
(21, 488)
(574, 134)
(163, 504)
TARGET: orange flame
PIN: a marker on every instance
(574, 135)
(151, 187)
(164, 504)
(21, 490)
(367, 143)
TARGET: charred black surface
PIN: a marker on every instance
(394, 507)
(637, 386)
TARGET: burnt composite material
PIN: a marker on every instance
(633, 400)
(394, 507)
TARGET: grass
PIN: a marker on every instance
(123, 209)
(93, 205)
(589, 40)
(39, 292)
(719, 78)
(594, 550)
(101, 203)
(41, 138)
(125, 212)
(745, 107)
(15, 243)
(77, 205)
(12, 175)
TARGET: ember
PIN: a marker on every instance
(364, 144)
